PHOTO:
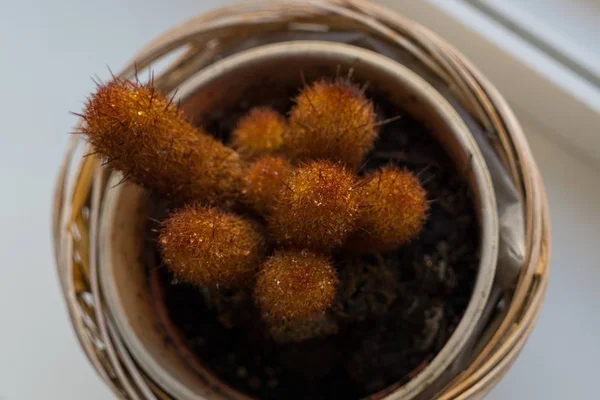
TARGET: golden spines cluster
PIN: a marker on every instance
(317, 207)
(259, 133)
(295, 285)
(333, 121)
(207, 246)
(393, 211)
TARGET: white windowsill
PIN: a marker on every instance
(565, 106)
(568, 29)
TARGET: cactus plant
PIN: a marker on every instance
(299, 176)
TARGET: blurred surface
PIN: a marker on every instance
(567, 28)
(53, 47)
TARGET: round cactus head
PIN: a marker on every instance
(259, 133)
(393, 211)
(333, 121)
(295, 286)
(205, 246)
(317, 207)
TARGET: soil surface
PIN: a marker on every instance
(393, 313)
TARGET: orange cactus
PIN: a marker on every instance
(207, 246)
(295, 286)
(264, 181)
(331, 121)
(259, 133)
(317, 208)
(393, 211)
(140, 133)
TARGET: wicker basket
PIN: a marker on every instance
(83, 180)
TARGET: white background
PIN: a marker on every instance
(50, 48)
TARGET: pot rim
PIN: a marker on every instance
(483, 191)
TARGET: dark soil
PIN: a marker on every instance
(394, 312)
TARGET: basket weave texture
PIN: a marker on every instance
(199, 42)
